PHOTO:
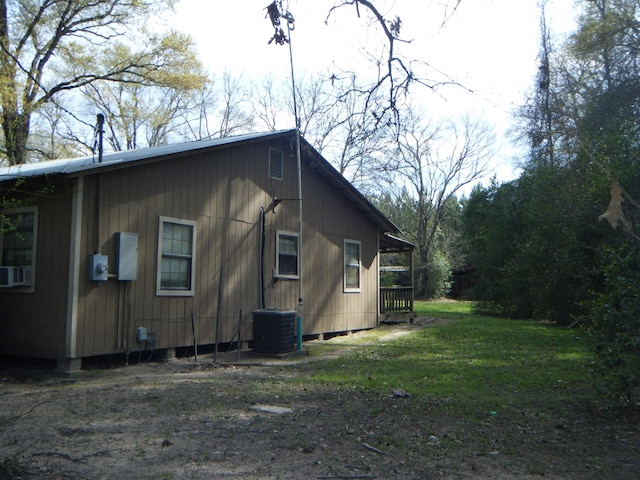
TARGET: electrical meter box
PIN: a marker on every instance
(127, 256)
(98, 266)
(141, 334)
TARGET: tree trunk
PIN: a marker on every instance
(15, 127)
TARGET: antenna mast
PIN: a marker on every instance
(100, 132)
(273, 10)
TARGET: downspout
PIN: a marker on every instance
(74, 268)
(378, 295)
(261, 257)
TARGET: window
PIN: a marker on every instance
(18, 237)
(176, 257)
(18, 234)
(351, 266)
(275, 164)
(287, 255)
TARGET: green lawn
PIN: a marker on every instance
(488, 398)
(474, 364)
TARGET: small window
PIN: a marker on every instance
(275, 164)
(287, 255)
(352, 266)
(176, 257)
(18, 235)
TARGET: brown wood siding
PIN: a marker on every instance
(329, 219)
(219, 192)
(223, 191)
(33, 324)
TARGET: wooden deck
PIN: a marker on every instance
(396, 304)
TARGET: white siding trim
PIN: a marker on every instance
(74, 268)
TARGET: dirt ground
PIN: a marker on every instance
(183, 419)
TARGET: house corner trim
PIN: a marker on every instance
(74, 268)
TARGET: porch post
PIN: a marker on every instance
(412, 277)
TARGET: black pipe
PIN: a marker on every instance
(263, 236)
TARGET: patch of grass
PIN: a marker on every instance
(475, 366)
(11, 467)
(443, 309)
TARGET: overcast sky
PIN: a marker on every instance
(489, 46)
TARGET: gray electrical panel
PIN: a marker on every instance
(127, 256)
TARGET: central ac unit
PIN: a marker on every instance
(17, 276)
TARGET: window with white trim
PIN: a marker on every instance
(176, 257)
(352, 265)
(287, 254)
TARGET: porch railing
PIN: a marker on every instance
(396, 299)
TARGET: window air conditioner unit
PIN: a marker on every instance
(15, 276)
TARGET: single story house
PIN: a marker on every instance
(160, 246)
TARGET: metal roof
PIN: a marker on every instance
(391, 244)
(89, 164)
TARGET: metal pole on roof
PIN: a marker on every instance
(100, 127)
(290, 27)
(273, 10)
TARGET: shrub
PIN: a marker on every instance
(613, 324)
(438, 282)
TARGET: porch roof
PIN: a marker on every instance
(392, 244)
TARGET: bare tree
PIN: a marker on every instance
(269, 101)
(332, 120)
(136, 116)
(437, 160)
(54, 133)
(395, 74)
(195, 122)
(356, 142)
(232, 116)
(48, 47)
(139, 116)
